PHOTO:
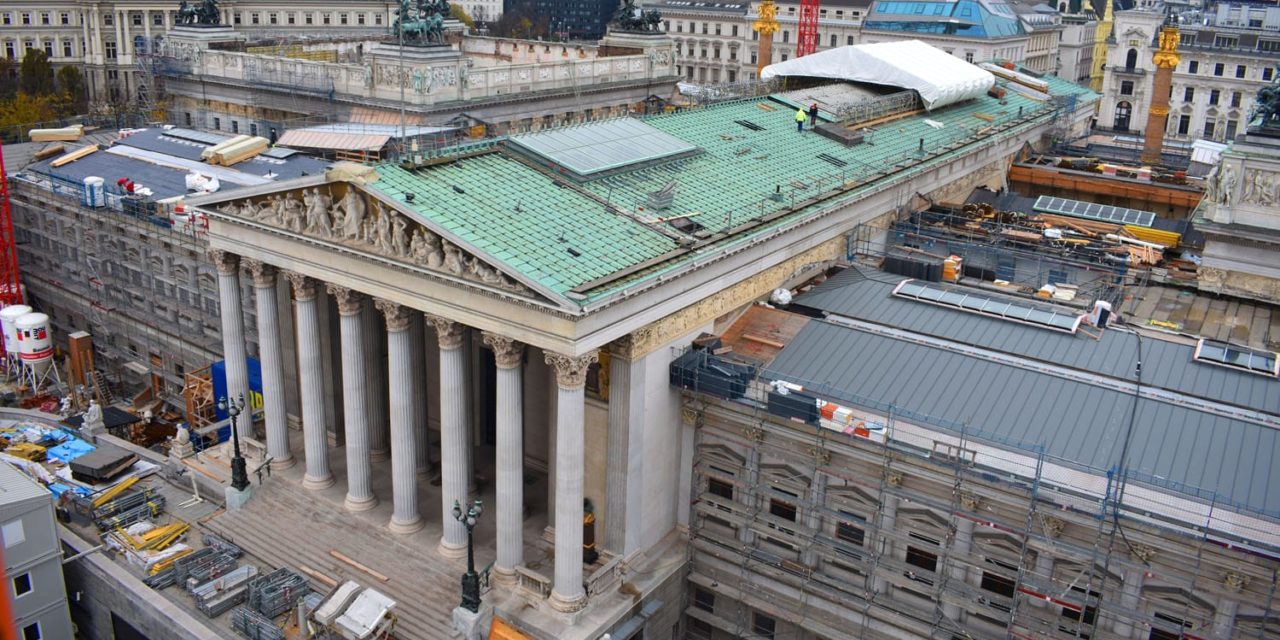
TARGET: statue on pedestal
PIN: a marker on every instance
(632, 18)
(93, 423)
(181, 446)
(204, 13)
(421, 22)
(1265, 117)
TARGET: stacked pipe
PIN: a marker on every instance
(217, 543)
(219, 596)
(254, 625)
(150, 508)
(276, 592)
(209, 568)
(123, 503)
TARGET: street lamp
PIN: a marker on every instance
(470, 579)
(239, 475)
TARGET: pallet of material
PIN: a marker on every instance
(49, 151)
(74, 155)
(240, 151)
(103, 463)
(208, 153)
(65, 134)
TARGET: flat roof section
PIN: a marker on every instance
(594, 149)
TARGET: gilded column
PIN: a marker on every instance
(355, 396)
(1165, 58)
(509, 356)
(454, 467)
(273, 403)
(567, 593)
(232, 314)
(404, 480)
(379, 432)
(315, 438)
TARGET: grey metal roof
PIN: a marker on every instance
(16, 486)
(591, 149)
(866, 295)
(1081, 423)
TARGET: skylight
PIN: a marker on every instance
(1243, 358)
(603, 148)
(1091, 211)
(971, 301)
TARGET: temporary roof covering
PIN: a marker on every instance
(940, 78)
(303, 139)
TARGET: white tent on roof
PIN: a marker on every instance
(940, 78)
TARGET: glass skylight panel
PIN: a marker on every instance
(981, 303)
(1093, 211)
(601, 148)
(1243, 358)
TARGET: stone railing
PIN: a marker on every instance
(533, 583)
(607, 577)
(423, 83)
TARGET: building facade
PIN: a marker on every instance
(1214, 85)
(1075, 51)
(32, 558)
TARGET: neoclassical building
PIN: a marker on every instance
(526, 295)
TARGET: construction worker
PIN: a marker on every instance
(800, 118)
(813, 115)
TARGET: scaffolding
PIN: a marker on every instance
(1051, 554)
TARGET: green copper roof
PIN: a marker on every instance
(534, 221)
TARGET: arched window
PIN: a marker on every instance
(1123, 111)
(1131, 60)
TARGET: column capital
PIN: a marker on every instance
(304, 288)
(448, 332)
(350, 302)
(622, 347)
(571, 371)
(397, 315)
(264, 275)
(507, 353)
(227, 263)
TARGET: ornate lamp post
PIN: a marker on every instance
(239, 474)
(470, 579)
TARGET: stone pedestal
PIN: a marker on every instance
(414, 55)
(236, 499)
(473, 626)
(203, 35)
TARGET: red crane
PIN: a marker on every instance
(10, 285)
(807, 40)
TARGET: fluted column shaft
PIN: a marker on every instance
(404, 480)
(624, 475)
(418, 369)
(454, 467)
(509, 405)
(379, 442)
(269, 350)
(567, 593)
(232, 315)
(310, 370)
(354, 399)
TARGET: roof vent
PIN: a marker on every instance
(664, 197)
(750, 125)
(408, 197)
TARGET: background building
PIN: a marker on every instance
(32, 558)
(576, 19)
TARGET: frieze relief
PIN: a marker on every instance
(1260, 188)
(366, 223)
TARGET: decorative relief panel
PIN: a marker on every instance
(359, 221)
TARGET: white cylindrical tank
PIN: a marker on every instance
(8, 317)
(35, 344)
(94, 192)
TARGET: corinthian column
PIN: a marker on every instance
(354, 399)
(567, 593)
(379, 444)
(310, 370)
(273, 404)
(232, 314)
(454, 467)
(509, 355)
(418, 370)
(404, 480)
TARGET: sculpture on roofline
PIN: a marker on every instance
(1266, 109)
(206, 12)
(421, 22)
(633, 18)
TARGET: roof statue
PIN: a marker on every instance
(421, 22)
(206, 12)
(633, 18)
(1266, 110)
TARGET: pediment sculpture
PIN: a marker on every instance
(351, 220)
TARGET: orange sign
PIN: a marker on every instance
(503, 631)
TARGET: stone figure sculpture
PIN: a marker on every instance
(632, 18)
(1266, 109)
(317, 205)
(421, 22)
(93, 421)
(204, 13)
(353, 221)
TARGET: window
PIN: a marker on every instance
(1189, 94)
(31, 632)
(1083, 615)
(255, 18)
(310, 19)
(217, 123)
(699, 629)
(157, 19)
(137, 19)
(273, 18)
(66, 49)
(1193, 66)
(923, 558)
(1231, 130)
(360, 19)
(10, 54)
(326, 19)
(734, 33)
(763, 625)
(833, 41)
(48, 48)
(236, 17)
(781, 509)
(291, 18)
(1241, 70)
(6, 18)
(110, 48)
(377, 18)
(733, 76)
(1263, 45)
(968, 56)
(26, 18)
(1208, 128)
(703, 599)
(849, 528)
(1217, 69)
(1214, 95)
(64, 18)
(1126, 87)
(704, 28)
(1184, 125)
(1226, 42)
(1235, 99)
(1131, 59)
(720, 488)
(1266, 74)
(235, 126)
(786, 35)
(22, 585)
(253, 128)
(342, 18)
(717, 28)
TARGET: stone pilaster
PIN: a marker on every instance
(567, 593)
(404, 480)
(454, 468)
(231, 312)
(310, 370)
(509, 357)
(354, 399)
(269, 349)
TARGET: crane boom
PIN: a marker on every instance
(807, 42)
(10, 284)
